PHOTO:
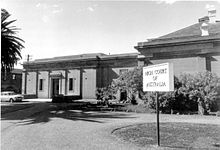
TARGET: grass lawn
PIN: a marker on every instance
(173, 135)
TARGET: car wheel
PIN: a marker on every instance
(11, 100)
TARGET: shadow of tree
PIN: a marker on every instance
(44, 112)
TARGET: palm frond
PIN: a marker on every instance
(11, 44)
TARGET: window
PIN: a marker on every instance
(41, 85)
(70, 84)
(121, 71)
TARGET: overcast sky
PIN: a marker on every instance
(66, 27)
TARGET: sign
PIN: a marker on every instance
(158, 78)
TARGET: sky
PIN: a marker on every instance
(65, 27)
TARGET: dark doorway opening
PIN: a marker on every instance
(55, 87)
(123, 96)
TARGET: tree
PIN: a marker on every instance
(130, 82)
(11, 44)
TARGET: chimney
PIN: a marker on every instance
(212, 14)
(204, 29)
(211, 18)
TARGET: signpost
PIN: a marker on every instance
(158, 78)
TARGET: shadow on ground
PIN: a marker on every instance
(44, 112)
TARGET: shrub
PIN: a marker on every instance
(105, 94)
(130, 82)
(202, 88)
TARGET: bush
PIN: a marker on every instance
(105, 94)
(196, 92)
(202, 88)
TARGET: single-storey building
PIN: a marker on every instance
(77, 75)
(192, 49)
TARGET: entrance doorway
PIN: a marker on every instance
(55, 87)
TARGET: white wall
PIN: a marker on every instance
(45, 92)
(215, 65)
(31, 83)
(89, 83)
(23, 82)
(75, 74)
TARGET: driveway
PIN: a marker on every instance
(59, 126)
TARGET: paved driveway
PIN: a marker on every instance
(47, 126)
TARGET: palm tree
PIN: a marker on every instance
(11, 45)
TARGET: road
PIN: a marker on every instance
(48, 126)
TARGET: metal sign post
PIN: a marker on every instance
(158, 119)
(158, 78)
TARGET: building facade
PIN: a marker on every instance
(192, 49)
(78, 75)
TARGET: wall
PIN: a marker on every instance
(215, 65)
(75, 74)
(23, 82)
(89, 83)
(184, 65)
(31, 83)
(45, 92)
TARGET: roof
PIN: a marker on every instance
(85, 57)
(190, 33)
(70, 57)
(193, 30)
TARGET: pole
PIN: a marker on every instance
(158, 121)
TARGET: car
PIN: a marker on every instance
(10, 96)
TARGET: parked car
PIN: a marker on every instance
(10, 96)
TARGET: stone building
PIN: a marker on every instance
(192, 49)
(77, 75)
(195, 48)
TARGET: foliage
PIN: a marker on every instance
(11, 45)
(130, 82)
(191, 91)
(203, 87)
(167, 100)
(105, 94)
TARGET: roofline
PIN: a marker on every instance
(155, 43)
(104, 57)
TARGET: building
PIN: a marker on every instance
(192, 49)
(77, 75)
(11, 81)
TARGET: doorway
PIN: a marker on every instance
(55, 87)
